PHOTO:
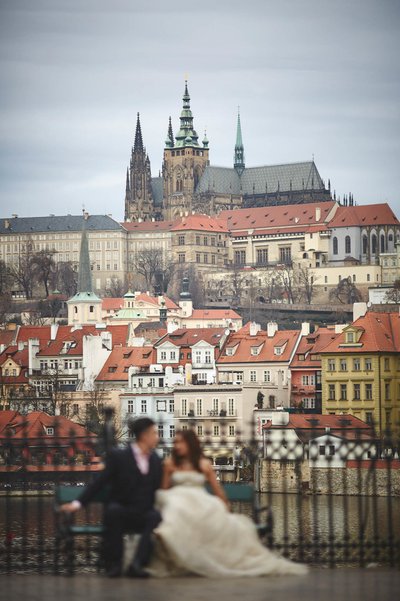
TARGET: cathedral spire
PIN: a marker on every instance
(169, 142)
(186, 135)
(239, 149)
(138, 146)
(127, 180)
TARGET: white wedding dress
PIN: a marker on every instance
(198, 535)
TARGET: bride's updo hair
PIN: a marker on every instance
(194, 449)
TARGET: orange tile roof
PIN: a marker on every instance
(121, 358)
(311, 345)
(148, 226)
(40, 332)
(112, 303)
(290, 216)
(202, 223)
(7, 337)
(380, 332)
(33, 425)
(67, 334)
(244, 343)
(375, 214)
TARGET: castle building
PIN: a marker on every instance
(189, 184)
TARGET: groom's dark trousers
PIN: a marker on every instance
(130, 506)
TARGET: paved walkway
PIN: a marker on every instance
(320, 585)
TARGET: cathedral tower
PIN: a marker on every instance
(184, 163)
(238, 161)
(138, 195)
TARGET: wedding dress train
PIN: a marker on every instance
(198, 535)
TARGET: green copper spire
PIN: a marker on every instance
(169, 142)
(85, 276)
(186, 135)
(239, 149)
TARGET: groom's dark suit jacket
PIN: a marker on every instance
(125, 482)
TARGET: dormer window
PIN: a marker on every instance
(349, 336)
(50, 431)
(255, 350)
(277, 350)
(230, 351)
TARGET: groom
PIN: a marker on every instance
(132, 475)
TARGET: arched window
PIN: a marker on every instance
(75, 309)
(383, 243)
(373, 244)
(364, 244)
(347, 245)
(335, 245)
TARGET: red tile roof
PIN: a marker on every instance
(7, 337)
(272, 218)
(309, 426)
(21, 358)
(187, 337)
(375, 214)
(34, 424)
(112, 303)
(121, 358)
(148, 226)
(312, 345)
(379, 332)
(202, 223)
(243, 342)
(69, 334)
(27, 332)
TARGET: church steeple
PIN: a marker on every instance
(138, 146)
(186, 135)
(239, 149)
(84, 276)
(169, 142)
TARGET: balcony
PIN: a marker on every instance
(209, 414)
(151, 389)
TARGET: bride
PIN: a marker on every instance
(198, 534)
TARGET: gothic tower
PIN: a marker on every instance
(138, 195)
(184, 162)
(238, 161)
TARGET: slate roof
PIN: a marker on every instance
(267, 178)
(56, 223)
(157, 190)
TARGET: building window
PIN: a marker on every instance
(50, 431)
(199, 430)
(368, 417)
(335, 245)
(172, 355)
(356, 364)
(215, 404)
(347, 245)
(332, 392)
(163, 355)
(131, 406)
(205, 258)
(181, 257)
(143, 406)
(240, 257)
(364, 244)
(322, 449)
(216, 430)
(308, 380)
(161, 431)
(331, 365)
(199, 407)
(181, 240)
(231, 430)
(357, 392)
(267, 376)
(172, 431)
(387, 391)
(308, 403)
(343, 365)
(285, 255)
(184, 406)
(171, 406)
(231, 406)
(213, 259)
(368, 364)
(197, 240)
(198, 258)
(374, 244)
(253, 376)
(262, 256)
(368, 392)
(343, 392)
(386, 364)
(205, 241)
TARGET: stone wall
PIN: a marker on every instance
(296, 477)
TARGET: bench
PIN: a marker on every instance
(67, 529)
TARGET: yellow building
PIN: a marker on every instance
(361, 371)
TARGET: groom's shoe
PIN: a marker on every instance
(114, 571)
(136, 571)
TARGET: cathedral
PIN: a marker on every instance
(189, 184)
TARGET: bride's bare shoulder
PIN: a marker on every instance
(205, 465)
(169, 465)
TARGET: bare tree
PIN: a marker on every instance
(42, 265)
(21, 270)
(345, 292)
(6, 279)
(305, 281)
(393, 294)
(65, 278)
(116, 287)
(154, 266)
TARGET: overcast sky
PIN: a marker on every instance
(312, 77)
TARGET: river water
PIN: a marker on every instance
(327, 530)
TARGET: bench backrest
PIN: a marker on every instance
(66, 494)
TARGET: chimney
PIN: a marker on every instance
(272, 328)
(20, 345)
(317, 213)
(33, 349)
(254, 328)
(359, 310)
(6, 224)
(171, 327)
(53, 331)
(305, 328)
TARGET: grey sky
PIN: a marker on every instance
(311, 77)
